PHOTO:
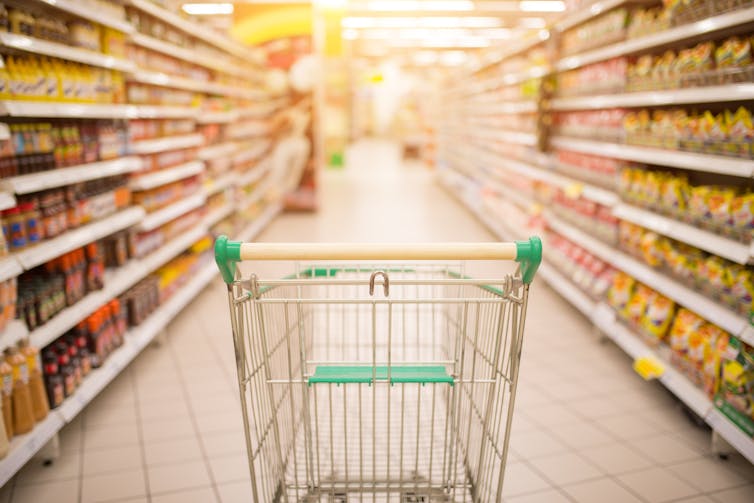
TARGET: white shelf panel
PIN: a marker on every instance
(164, 80)
(170, 212)
(510, 107)
(709, 241)
(566, 289)
(161, 112)
(212, 152)
(76, 238)
(168, 143)
(14, 331)
(163, 176)
(587, 13)
(81, 10)
(62, 51)
(215, 185)
(7, 200)
(26, 184)
(264, 218)
(672, 35)
(217, 117)
(253, 175)
(661, 157)
(218, 214)
(252, 153)
(22, 108)
(702, 305)
(169, 250)
(731, 433)
(9, 268)
(193, 29)
(24, 447)
(176, 51)
(710, 94)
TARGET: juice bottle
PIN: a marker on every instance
(36, 384)
(23, 412)
(6, 379)
(53, 379)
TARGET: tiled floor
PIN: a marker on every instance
(586, 428)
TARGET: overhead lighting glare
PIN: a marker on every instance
(532, 22)
(541, 6)
(349, 34)
(208, 9)
(413, 5)
(420, 22)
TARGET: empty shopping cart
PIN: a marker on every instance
(369, 379)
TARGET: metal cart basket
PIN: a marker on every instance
(382, 382)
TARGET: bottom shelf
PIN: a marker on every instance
(603, 317)
(24, 447)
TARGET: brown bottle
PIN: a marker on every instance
(6, 375)
(4, 443)
(36, 383)
(23, 413)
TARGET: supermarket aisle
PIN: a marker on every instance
(587, 429)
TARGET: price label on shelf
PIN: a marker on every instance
(649, 367)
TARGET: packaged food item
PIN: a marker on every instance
(621, 291)
(637, 305)
(657, 317)
(23, 412)
(684, 324)
(735, 398)
(39, 403)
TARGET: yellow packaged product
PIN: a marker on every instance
(658, 316)
(674, 193)
(685, 323)
(652, 246)
(741, 289)
(719, 202)
(742, 214)
(734, 52)
(637, 305)
(621, 290)
(698, 208)
(711, 363)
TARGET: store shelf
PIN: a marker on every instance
(7, 200)
(82, 10)
(688, 297)
(589, 12)
(24, 447)
(190, 28)
(215, 185)
(259, 223)
(26, 184)
(14, 331)
(254, 174)
(731, 433)
(508, 107)
(9, 268)
(62, 51)
(661, 157)
(710, 94)
(567, 289)
(213, 152)
(76, 238)
(178, 52)
(51, 109)
(171, 249)
(217, 117)
(168, 143)
(657, 40)
(165, 80)
(218, 214)
(170, 212)
(250, 154)
(163, 176)
(709, 241)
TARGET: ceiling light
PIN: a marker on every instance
(208, 9)
(541, 6)
(420, 22)
(532, 22)
(414, 5)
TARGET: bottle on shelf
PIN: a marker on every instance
(23, 412)
(36, 382)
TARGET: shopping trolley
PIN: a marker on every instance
(382, 382)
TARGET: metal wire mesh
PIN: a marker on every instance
(377, 440)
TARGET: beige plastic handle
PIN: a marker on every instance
(378, 251)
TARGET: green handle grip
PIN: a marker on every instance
(227, 253)
(529, 255)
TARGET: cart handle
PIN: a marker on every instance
(527, 253)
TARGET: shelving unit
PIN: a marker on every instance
(478, 159)
(231, 60)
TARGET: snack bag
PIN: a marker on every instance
(698, 209)
(734, 52)
(685, 323)
(742, 290)
(711, 364)
(621, 291)
(637, 305)
(673, 193)
(657, 317)
(742, 215)
(651, 246)
(719, 202)
(735, 397)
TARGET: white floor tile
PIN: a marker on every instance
(110, 460)
(158, 430)
(179, 476)
(113, 486)
(566, 468)
(629, 426)
(521, 479)
(708, 475)
(104, 437)
(616, 458)
(172, 451)
(664, 449)
(232, 468)
(737, 495)
(67, 466)
(600, 491)
(582, 434)
(196, 495)
(65, 491)
(549, 496)
(657, 485)
(536, 443)
(235, 492)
